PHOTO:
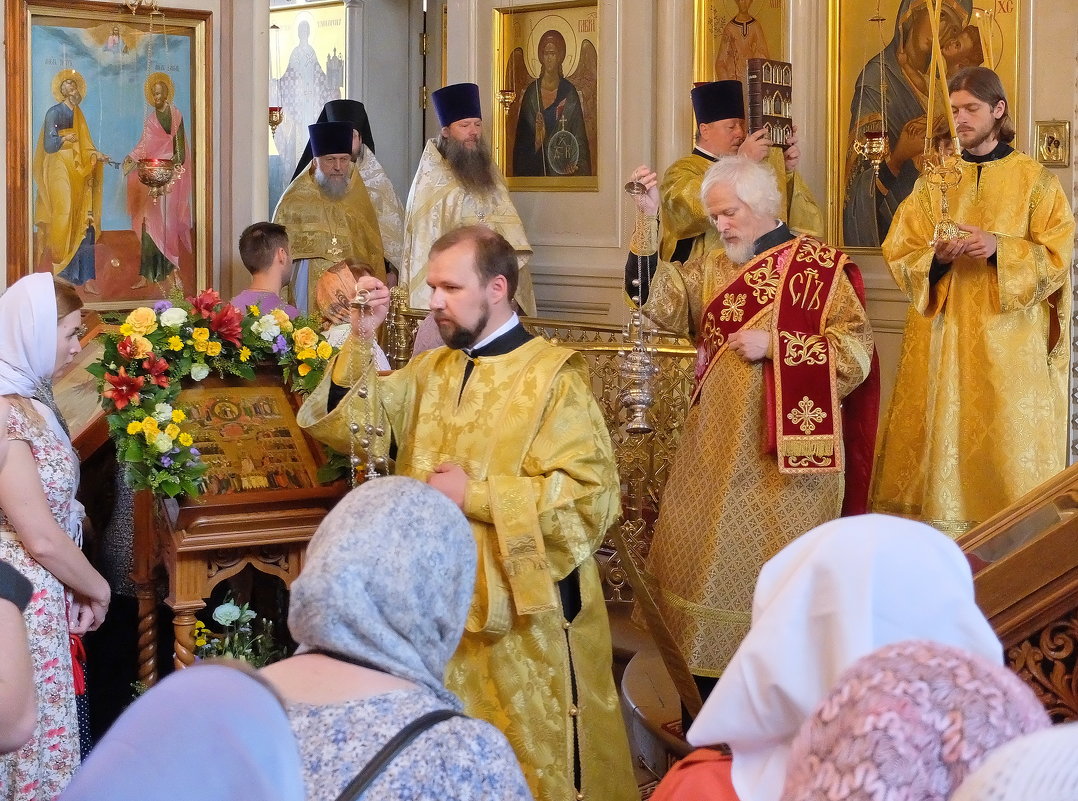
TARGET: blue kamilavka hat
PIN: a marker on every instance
(329, 138)
(718, 100)
(458, 101)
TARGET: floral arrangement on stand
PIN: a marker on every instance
(141, 370)
(244, 635)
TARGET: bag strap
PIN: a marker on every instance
(389, 751)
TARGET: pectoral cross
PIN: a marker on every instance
(335, 251)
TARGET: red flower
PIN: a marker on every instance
(126, 348)
(226, 322)
(157, 368)
(204, 303)
(124, 389)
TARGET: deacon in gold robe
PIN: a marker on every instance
(329, 215)
(458, 184)
(720, 131)
(68, 174)
(979, 412)
(506, 425)
(775, 431)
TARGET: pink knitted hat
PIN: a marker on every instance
(908, 722)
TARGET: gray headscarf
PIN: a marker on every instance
(388, 580)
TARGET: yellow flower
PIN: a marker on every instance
(126, 330)
(142, 347)
(306, 353)
(245, 353)
(200, 641)
(185, 439)
(142, 320)
(175, 343)
(305, 338)
(149, 425)
(178, 416)
(172, 430)
(283, 320)
(201, 345)
(325, 350)
(134, 427)
(200, 334)
(304, 369)
(213, 348)
(252, 309)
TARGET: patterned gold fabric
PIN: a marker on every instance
(543, 490)
(313, 220)
(387, 206)
(979, 412)
(682, 214)
(727, 509)
(438, 203)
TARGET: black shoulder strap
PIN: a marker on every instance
(389, 751)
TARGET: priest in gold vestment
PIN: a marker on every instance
(329, 215)
(458, 183)
(506, 425)
(719, 108)
(979, 412)
(769, 444)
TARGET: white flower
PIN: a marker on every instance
(174, 317)
(267, 327)
(163, 442)
(247, 616)
(226, 614)
(199, 371)
(162, 413)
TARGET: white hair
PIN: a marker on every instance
(752, 181)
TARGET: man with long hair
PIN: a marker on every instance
(458, 184)
(979, 412)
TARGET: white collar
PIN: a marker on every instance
(505, 328)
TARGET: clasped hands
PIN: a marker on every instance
(979, 244)
(750, 343)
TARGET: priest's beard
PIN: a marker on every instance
(333, 186)
(739, 252)
(473, 167)
(456, 336)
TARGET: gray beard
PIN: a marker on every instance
(473, 168)
(739, 254)
(333, 186)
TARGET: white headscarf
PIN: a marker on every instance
(1036, 766)
(830, 597)
(28, 326)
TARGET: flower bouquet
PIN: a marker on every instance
(244, 636)
(140, 371)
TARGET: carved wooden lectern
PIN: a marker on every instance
(262, 504)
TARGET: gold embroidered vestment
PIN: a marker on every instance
(543, 490)
(726, 508)
(978, 416)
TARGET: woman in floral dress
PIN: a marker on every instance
(40, 526)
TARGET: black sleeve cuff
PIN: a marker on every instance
(644, 268)
(937, 271)
(336, 395)
(14, 586)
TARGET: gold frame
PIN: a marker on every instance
(19, 18)
(703, 61)
(502, 49)
(838, 115)
(1059, 129)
